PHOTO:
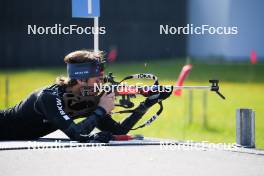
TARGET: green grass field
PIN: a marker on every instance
(241, 83)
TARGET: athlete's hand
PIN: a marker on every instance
(101, 137)
(107, 101)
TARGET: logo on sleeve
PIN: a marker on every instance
(59, 106)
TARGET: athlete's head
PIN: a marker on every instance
(84, 68)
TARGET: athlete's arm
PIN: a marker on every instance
(52, 108)
(106, 123)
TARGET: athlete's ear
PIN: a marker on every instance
(82, 82)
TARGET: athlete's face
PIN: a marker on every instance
(83, 85)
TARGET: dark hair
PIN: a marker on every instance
(65, 81)
(79, 56)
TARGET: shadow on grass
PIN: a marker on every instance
(211, 129)
(206, 128)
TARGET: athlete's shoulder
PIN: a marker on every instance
(50, 94)
(55, 90)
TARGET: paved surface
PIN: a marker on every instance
(130, 160)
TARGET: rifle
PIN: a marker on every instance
(76, 105)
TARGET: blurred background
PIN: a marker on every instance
(134, 44)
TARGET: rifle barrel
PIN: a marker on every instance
(191, 87)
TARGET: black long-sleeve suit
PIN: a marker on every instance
(43, 112)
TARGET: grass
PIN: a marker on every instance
(241, 83)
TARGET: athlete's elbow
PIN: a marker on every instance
(76, 133)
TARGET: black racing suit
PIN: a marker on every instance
(42, 113)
